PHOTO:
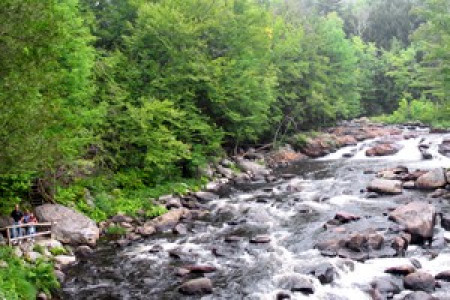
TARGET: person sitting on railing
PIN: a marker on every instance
(29, 218)
(17, 216)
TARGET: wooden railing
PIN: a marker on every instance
(23, 236)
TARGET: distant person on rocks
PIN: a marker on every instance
(17, 216)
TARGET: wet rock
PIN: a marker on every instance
(206, 196)
(288, 176)
(445, 221)
(71, 227)
(180, 229)
(325, 272)
(409, 185)
(372, 195)
(32, 256)
(260, 239)
(426, 154)
(167, 220)
(225, 172)
(445, 276)
(197, 286)
(200, 269)
(156, 249)
(383, 150)
(181, 272)
(252, 167)
(146, 230)
(353, 255)
(84, 252)
(419, 296)
(283, 296)
(218, 252)
(344, 217)
(332, 245)
(402, 270)
(416, 263)
(173, 203)
(385, 186)
(418, 218)
(386, 287)
(296, 283)
(375, 241)
(400, 245)
(60, 276)
(419, 281)
(357, 242)
(432, 180)
(233, 239)
(64, 260)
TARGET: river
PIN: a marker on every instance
(292, 212)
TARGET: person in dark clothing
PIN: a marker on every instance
(17, 216)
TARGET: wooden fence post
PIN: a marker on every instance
(8, 236)
(52, 234)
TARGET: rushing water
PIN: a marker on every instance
(292, 212)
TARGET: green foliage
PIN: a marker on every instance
(415, 110)
(39, 249)
(58, 251)
(115, 230)
(21, 281)
(13, 188)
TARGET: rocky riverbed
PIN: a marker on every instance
(368, 221)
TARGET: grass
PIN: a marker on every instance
(58, 251)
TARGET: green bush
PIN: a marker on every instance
(58, 251)
(115, 230)
(21, 281)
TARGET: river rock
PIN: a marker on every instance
(325, 272)
(174, 202)
(283, 296)
(401, 270)
(383, 150)
(225, 172)
(252, 167)
(200, 268)
(432, 180)
(260, 239)
(409, 184)
(71, 227)
(64, 260)
(197, 286)
(168, 220)
(385, 186)
(419, 296)
(445, 276)
(296, 283)
(84, 251)
(419, 281)
(180, 229)
(206, 196)
(344, 217)
(418, 218)
(33, 256)
(386, 287)
(60, 276)
(146, 230)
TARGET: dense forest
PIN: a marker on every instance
(128, 99)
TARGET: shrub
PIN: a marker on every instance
(58, 251)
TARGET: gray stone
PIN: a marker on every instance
(418, 218)
(385, 186)
(432, 180)
(252, 167)
(419, 281)
(197, 286)
(71, 227)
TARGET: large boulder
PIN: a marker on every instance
(71, 227)
(252, 167)
(197, 286)
(420, 281)
(383, 150)
(418, 219)
(385, 186)
(167, 220)
(432, 180)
